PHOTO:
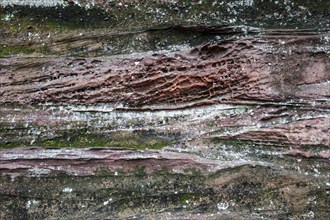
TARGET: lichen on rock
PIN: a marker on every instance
(164, 109)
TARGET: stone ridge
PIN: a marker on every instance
(253, 68)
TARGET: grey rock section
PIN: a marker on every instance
(275, 14)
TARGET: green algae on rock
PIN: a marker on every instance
(164, 109)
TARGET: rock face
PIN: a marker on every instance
(172, 118)
(252, 68)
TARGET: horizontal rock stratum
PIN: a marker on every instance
(164, 109)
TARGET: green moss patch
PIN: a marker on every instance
(15, 49)
(99, 141)
(75, 139)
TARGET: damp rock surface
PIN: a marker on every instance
(164, 109)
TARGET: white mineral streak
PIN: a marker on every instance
(45, 3)
(67, 190)
(245, 2)
(222, 206)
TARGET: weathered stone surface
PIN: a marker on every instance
(178, 115)
(267, 68)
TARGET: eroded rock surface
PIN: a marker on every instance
(264, 68)
(180, 120)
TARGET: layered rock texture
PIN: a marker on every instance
(165, 109)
